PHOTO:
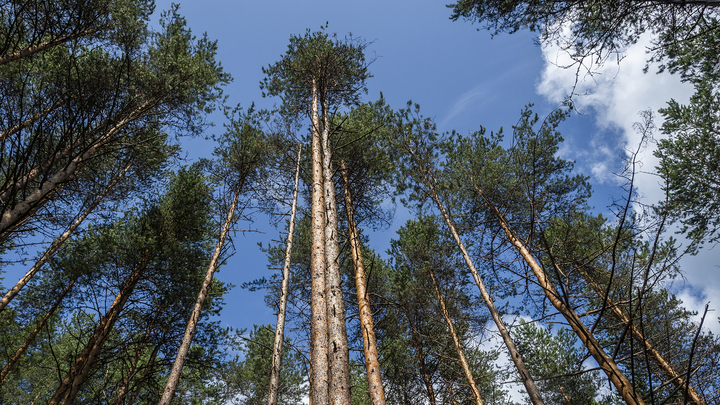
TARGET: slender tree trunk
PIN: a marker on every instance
(367, 326)
(15, 128)
(621, 383)
(13, 217)
(31, 337)
(458, 346)
(667, 368)
(318, 306)
(171, 385)
(280, 327)
(31, 50)
(59, 241)
(338, 353)
(70, 385)
(525, 377)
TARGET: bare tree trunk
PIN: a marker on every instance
(673, 376)
(458, 346)
(367, 326)
(50, 252)
(621, 383)
(31, 337)
(280, 327)
(525, 377)
(318, 306)
(338, 353)
(70, 385)
(171, 385)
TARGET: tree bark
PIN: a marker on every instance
(338, 354)
(367, 326)
(667, 369)
(13, 217)
(621, 383)
(59, 242)
(171, 384)
(31, 337)
(280, 327)
(318, 306)
(70, 385)
(525, 377)
(458, 346)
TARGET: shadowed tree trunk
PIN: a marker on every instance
(50, 252)
(31, 337)
(70, 385)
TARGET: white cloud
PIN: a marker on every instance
(614, 94)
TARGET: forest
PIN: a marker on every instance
(504, 286)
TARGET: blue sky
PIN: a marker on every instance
(462, 77)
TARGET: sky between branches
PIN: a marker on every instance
(463, 78)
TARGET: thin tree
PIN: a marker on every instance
(280, 327)
(367, 326)
(421, 166)
(242, 151)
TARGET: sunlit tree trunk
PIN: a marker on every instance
(367, 326)
(337, 333)
(318, 305)
(458, 346)
(621, 383)
(280, 327)
(70, 385)
(525, 377)
(171, 385)
(673, 376)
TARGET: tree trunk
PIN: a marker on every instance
(458, 346)
(280, 327)
(621, 383)
(318, 306)
(171, 385)
(31, 337)
(669, 371)
(338, 353)
(367, 326)
(13, 217)
(525, 377)
(70, 385)
(58, 242)
(15, 128)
